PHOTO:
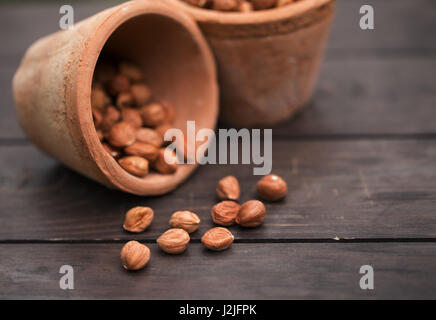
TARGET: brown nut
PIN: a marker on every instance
(272, 187)
(141, 94)
(124, 100)
(225, 5)
(217, 239)
(122, 134)
(245, 6)
(263, 4)
(131, 116)
(104, 73)
(153, 114)
(135, 165)
(225, 213)
(138, 219)
(149, 136)
(173, 241)
(185, 220)
(134, 255)
(164, 167)
(170, 112)
(99, 99)
(131, 71)
(97, 116)
(119, 83)
(111, 116)
(251, 214)
(228, 188)
(144, 150)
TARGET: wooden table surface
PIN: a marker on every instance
(360, 162)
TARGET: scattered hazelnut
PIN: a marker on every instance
(173, 241)
(149, 136)
(144, 150)
(131, 71)
(217, 239)
(228, 188)
(185, 220)
(272, 187)
(225, 213)
(245, 6)
(134, 255)
(134, 165)
(138, 219)
(170, 111)
(153, 114)
(141, 94)
(131, 116)
(251, 214)
(122, 134)
(164, 167)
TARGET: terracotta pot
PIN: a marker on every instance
(53, 83)
(267, 60)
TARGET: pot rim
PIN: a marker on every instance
(255, 17)
(153, 183)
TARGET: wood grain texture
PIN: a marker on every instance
(245, 271)
(345, 189)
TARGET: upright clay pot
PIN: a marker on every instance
(267, 60)
(52, 86)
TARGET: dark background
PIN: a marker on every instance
(360, 162)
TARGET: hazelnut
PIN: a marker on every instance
(225, 5)
(131, 71)
(138, 219)
(99, 99)
(217, 239)
(124, 100)
(111, 116)
(272, 187)
(149, 136)
(162, 129)
(134, 255)
(100, 135)
(185, 220)
(104, 73)
(162, 166)
(153, 114)
(173, 241)
(119, 83)
(170, 111)
(225, 213)
(263, 4)
(141, 94)
(228, 188)
(122, 134)
(144, 150)
(251, 214)
(134, 165)
(97, 116)
(131, 116)
(245, 6)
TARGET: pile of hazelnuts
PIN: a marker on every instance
(129, 121)
(239, 5)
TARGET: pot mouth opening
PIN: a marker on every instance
(256, 17)
(178, 67)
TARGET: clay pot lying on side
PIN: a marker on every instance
(53, 84)
(267, 60)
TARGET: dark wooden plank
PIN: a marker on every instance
(345, 189)
(291, 271)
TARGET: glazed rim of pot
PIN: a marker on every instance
(257, 16)
(182, 31)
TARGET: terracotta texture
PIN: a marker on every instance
(267, 60)
(53, 84)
